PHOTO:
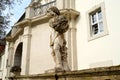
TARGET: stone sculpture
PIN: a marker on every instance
(59, 25)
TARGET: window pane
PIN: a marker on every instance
(101, 26)
(95, 29)
(94, 18)
(99, 15)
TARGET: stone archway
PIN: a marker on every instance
(18, 55)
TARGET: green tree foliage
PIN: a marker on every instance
(4, 18)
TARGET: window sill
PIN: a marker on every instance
(97, 36)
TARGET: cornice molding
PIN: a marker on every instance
(13, 37)
(70, 13)
(23, 23)
(27, 35)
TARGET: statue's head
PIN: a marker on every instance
(53, 11)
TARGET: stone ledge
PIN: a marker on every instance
(111, 72)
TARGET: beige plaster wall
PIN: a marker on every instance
(40, 52)
(100, 49)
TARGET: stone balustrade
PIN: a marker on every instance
(41, 10)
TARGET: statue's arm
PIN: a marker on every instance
(53, 23)
(52, 38)
(51, 43)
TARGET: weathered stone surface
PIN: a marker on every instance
(59, 25)
(104, 73)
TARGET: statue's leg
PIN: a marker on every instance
(65, 62)
(66, 66)
(53, 54)
(58, 61)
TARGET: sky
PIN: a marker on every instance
(18, 10)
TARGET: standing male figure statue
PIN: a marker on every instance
(59, 25)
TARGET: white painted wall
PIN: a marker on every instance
(1, 63)
(104, 48)
(4, 62)
(40, 54)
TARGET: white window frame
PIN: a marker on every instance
(95, 9)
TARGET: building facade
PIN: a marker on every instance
(92, 38)
(97, 33)
(2, 57)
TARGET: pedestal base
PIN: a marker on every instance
(55, 70)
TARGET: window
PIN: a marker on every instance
(96, 22)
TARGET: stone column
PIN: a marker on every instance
(72, 4)
(26, 51)
(68, 39)
(65, 4)
(60, 4)
(9, 56)
(73, 47)
(29, 12)
(71, 42)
